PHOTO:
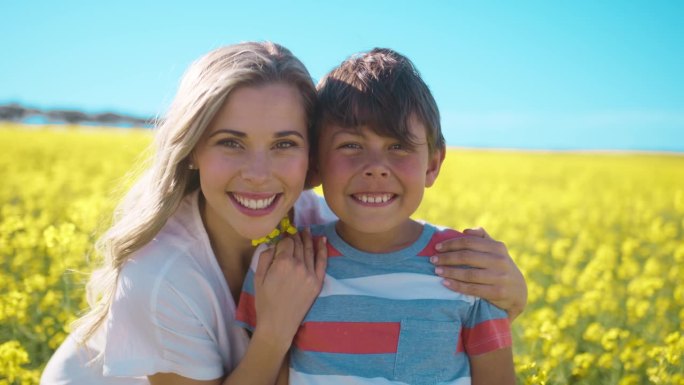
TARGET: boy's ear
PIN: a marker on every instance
(313, 177)
(434, 165)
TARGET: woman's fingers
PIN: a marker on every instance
(470, 275)
(298, 251)
(284, 248)
(472, 258)
(308, 247)
(321, 257)
(474, 243)
(477, 232)
(493, 293)
(265, 259)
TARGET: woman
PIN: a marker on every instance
(231, 162)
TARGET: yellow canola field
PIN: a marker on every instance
(599, 237)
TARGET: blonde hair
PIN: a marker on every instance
(157, 194)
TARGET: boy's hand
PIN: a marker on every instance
(495, 276)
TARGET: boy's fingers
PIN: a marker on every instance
(309, 252)
(265, 259)
(321, 257)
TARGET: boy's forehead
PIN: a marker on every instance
(416, 128)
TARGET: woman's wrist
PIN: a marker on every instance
(271, 339)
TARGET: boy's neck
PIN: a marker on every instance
(389, 241)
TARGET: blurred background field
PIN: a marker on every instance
(599, 237)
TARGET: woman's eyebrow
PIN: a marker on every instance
(281, 134)
(240, 134)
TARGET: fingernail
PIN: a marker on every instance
(439, 247)
(446, 283)
(439, 271)
(434, 259)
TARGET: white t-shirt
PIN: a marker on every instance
(172, 311)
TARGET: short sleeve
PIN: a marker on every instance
(486, 329)
(311, 209)
(155, 326)
(246, 309)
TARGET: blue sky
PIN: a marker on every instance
(523, 74)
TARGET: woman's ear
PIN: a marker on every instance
(191, 162)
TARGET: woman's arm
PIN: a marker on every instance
(495, 278)
(495, 367)
(261, 365)
(287, 280)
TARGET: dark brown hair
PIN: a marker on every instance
(380, 89)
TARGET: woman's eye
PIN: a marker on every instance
(229, 143)
(285, 144)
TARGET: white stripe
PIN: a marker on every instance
(397, 286)
(299, 378)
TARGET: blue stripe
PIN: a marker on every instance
(483, 311)
(405, 366)
(343, 267)
(362, 365)
(373, 309)
(248, 285)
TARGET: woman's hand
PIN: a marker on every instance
(287, 280)
(495, 276)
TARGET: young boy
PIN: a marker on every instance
(382, 316)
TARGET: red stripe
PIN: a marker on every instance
(348, 337)
(246, 311)
(439, 236)
(487, 336)
(332, 252)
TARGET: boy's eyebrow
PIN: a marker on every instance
(347, 131)
(240, 134)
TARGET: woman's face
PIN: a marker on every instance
(252, 160)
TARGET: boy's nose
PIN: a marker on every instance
(376, 168)
(377, 172)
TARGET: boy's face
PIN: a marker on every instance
(374, 183)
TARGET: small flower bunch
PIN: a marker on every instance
(284, 227)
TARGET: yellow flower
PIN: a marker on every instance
(284, 227)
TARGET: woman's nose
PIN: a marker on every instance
(257, 168)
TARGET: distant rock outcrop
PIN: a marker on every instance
(20, 114)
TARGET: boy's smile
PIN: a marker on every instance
(374, 183)
(374, 199)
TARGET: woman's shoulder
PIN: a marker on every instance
(311, 209)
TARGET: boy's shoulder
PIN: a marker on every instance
(440, 234)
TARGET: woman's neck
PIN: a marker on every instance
(233, 252)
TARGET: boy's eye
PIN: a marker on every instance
(351, 146)
(400, 147)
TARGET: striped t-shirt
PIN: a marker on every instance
(387, 319)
